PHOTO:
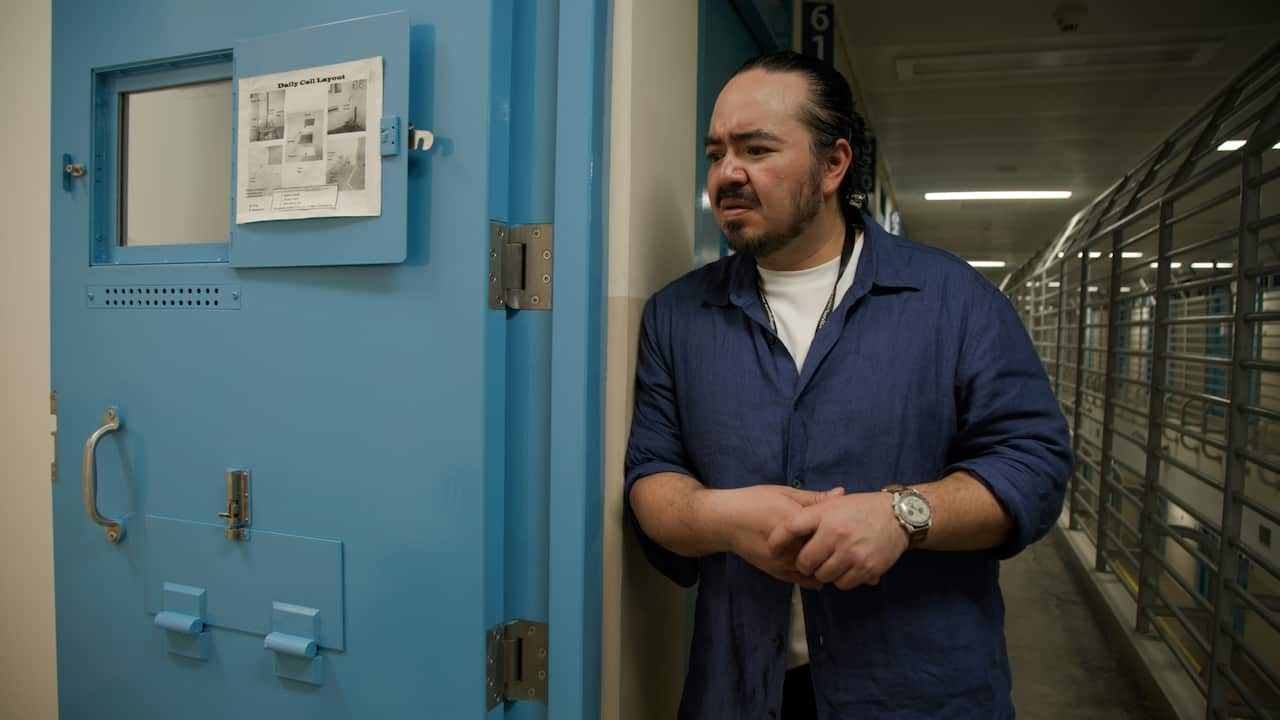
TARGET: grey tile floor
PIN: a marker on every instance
(1063, 666)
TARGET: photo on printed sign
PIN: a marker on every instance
(303, 141)
(264, 169)
(266, 116)
(347, 107)
(346, 164)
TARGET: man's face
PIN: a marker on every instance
(763, 181)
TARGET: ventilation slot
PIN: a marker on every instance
(164, 297)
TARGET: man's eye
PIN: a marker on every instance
(758, 150)
(713, 157)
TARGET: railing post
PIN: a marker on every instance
(1242, 340)
(1082, 317)
(1111, 384)
(1073, 487)
(1108, 407)
(1078, 411)
(1152, 532)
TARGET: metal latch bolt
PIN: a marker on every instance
(516, 658)
(520, 266)
(237, 512)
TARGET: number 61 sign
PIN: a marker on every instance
(819, 31)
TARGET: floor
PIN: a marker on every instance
(1063, 667)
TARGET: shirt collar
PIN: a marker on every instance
(885, 260)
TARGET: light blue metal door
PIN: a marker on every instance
(282, 449)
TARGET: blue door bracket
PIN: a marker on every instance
(182, 619)
(293, 639)
(389, 135)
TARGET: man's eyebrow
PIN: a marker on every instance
(744, 136)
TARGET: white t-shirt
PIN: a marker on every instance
(797, 299)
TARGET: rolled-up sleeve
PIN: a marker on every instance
(1012, 436)
(655, 445)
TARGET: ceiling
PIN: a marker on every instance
(999, 96)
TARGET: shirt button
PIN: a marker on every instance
(777, 642)
(795, 482)
(773, 713)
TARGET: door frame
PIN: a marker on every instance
(578, 352)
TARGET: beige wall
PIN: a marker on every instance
(28, 684)
(652, 144)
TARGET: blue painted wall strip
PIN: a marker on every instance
(578, 338)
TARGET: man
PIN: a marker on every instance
(784, 397)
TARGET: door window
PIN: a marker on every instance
(162, 141)
(175, 149)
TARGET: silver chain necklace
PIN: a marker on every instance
(845, 253)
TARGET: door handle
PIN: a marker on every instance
(114, 528)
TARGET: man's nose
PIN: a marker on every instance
(728, 171)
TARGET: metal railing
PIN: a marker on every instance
(1156, 313)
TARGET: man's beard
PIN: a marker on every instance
(807, 202)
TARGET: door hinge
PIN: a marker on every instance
(53, 410)
(520, 266)
(516, 663)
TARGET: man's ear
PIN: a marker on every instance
(838, 164)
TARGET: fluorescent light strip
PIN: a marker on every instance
(1232, 145)
(1000, 195)
(986, 263)
(1092, 255)
(1199, 265)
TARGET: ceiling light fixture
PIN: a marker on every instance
(1000, 195)
(986, 263)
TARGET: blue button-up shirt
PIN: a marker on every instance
(922, 370)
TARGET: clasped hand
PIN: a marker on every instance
(812, 538)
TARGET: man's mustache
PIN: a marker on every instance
(737, 193)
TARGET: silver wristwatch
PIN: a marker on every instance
(913, 511)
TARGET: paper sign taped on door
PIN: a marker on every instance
(308, 143)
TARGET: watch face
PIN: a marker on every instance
(915, 510)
